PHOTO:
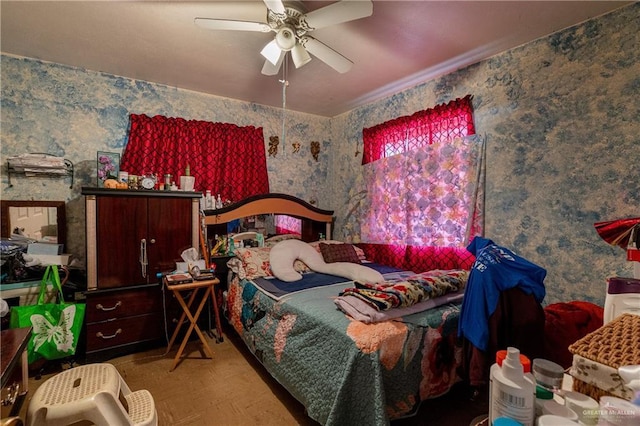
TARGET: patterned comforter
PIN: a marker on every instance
(345, 371)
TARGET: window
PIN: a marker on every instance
(288, 225)
(442, 123)
(421, 173)
(225, 158)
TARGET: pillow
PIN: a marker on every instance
(284, 254)
(339, 253)
(359, 251)
(271, 241)
(353, 271)
(254, 262)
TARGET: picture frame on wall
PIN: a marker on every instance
(108, 166)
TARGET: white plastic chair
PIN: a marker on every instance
(90, 393)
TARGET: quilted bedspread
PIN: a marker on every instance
(345, 371)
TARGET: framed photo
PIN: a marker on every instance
(108, 166)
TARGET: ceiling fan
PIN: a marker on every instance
(292, 25)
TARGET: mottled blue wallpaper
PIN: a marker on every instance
(560, 116)
(73, 113)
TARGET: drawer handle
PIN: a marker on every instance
(99, 334)
(102, 308)
(12, 394)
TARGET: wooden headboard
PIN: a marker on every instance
(314, 220)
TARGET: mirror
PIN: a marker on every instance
(39, 220)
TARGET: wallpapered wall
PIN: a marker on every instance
(560, 116)
(74, 113)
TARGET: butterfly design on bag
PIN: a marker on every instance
(59, 333)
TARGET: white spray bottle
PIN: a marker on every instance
(512, 391)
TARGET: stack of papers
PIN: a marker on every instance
(38, 163)
(178, 278)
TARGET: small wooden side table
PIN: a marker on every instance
(208, 286)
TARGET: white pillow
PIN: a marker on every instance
(353, 271)
(285, 253)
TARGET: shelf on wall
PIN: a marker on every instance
(39, 165)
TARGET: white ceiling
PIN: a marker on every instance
(401, 44)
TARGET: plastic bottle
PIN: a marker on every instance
(542, 395)
(218, 202)
(526, 367)
(584, 406)
(551, 420)
(616, 411)
(548, 376)
(505, 421)
(232, 246)
(208, 200)
(556, 409)
(512, 391)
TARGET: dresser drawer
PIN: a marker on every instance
(107, 334)
(118, 304)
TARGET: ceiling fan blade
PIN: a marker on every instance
(275, 5)
(337, 13)
(272, 52)
(227, 24)
(270, 69)
(326, 54)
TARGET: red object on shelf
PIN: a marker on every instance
(633, 254)
(618, 232)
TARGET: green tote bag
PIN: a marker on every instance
(56, 326)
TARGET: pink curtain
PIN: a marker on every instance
(426, 189)
(225, 158)
(439, 124)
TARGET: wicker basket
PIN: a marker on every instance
(615, 344)
(589, 389)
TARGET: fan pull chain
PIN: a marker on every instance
(285, 83)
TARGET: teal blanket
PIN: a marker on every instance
(344, 371)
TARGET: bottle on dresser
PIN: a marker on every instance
(208, 200)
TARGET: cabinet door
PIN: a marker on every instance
(121, 226)
(169, 233)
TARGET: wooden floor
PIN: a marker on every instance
(234, 389)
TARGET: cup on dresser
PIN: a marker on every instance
(187, 183)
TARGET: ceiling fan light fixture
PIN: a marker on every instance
(286, 38)
(300, 55)
(271, 52)
(291, 23)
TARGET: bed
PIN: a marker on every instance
(343, 370)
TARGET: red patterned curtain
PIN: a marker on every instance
(439, 124)
(227, 159)
(424, 178)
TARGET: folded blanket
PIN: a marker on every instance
(407, 292)
(361, 311)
